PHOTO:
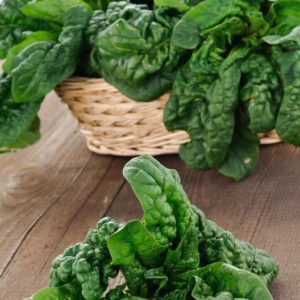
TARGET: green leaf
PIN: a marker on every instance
(219, 123)
(9, 37)
(135, 241)
(288, 122)
(28, 137)
(14, 26)
(65, 292)
(53, 10)
(186, 256)
(147, 72)
(180, 5)
(221, 277)
(242, 155)
(203, 16)
(31, 39)
(43, 65)
(167, 211)
(293, 36)
(19, 125)
(261, 92)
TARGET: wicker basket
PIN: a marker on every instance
(114, 124)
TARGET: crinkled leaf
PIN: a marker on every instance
(43, 65)
(242, 155)
(132, 242)
(293, 36)
(180, 5)
(53, 10)
(288, 121)
(186, 256)
(167, 211)
(206, 15)
(19, 125)
(147, 72)
(9, 37)
(31, 39)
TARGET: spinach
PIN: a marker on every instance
(147, 72)
(206, 15)
(14, 26)
(201, 261)
(86, 266)
(207, 53)
(53, 10)
(40, 67)
(34, 37)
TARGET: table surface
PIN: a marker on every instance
(54, 191)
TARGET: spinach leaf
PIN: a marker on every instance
(293, 36)
(283, 16)
(34, 37)
(146, 72)
(186, 256)
(180, 5)
(135, 241)
(41, 66)
(204, 99)
(14, 26)
(52, 10)
(9, 37)
(242, 155)
(167, 212)
(261, 92)
(223, 281)
(207, 14)
(65, 292)
(19, 124)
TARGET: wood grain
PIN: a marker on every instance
(54, 191)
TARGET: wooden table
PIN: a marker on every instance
(53, 192)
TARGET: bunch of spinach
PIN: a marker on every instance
(232, 67)
(174, 252)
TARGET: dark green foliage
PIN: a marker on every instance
(148, 71)
(19, 124)
(87, 266)
(192, 259)
(36, 69)
(222, 60)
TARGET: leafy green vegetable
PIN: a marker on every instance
(206, 15)
(286, 54)
(14, 26)
(53, 10)
(242, 155)
(201, 261)
(223, 281)
(167, 211)
(87, 266)
(42, 65)
(19, 124)
(261, 92)
(65, 292)
(146, 72)
(31, 39)
(231, 66)
(180, 5)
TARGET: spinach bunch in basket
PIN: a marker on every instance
(231, 66)
(174, 252)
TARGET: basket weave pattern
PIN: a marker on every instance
(114, 124)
